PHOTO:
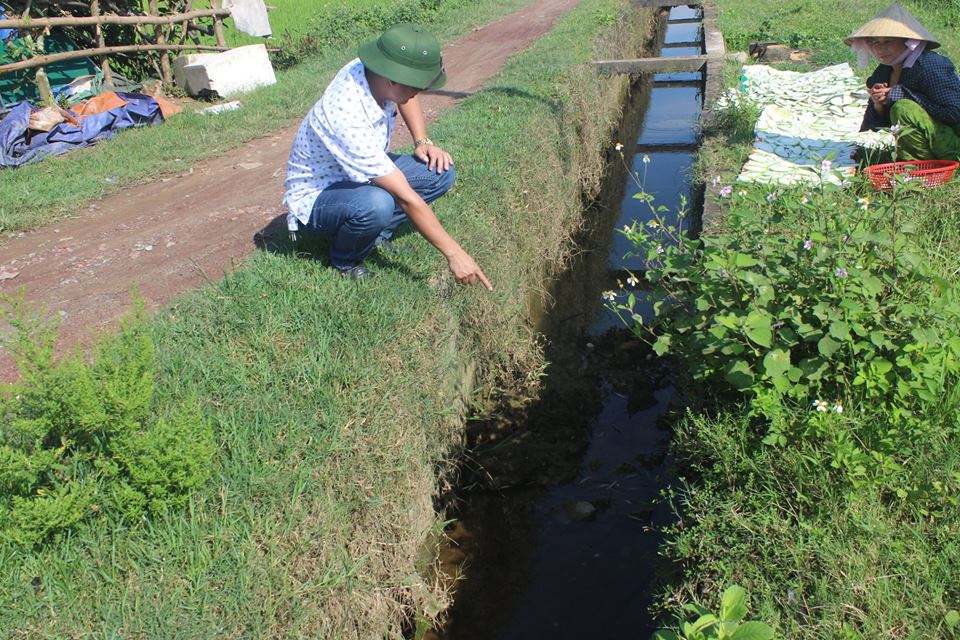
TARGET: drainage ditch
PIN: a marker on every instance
(559, 518)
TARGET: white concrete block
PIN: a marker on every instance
(235, 71)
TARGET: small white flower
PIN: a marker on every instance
(653, 224)
(660, 249)
(609, 296)
(864, 203)
(632, 281)
(838, 408)
(895, 129)
(742, 192)
(804, 199)
(820, 406)
(618, 147)
(771, 196)
(646, 159)
(626, 228)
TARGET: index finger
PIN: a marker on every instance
(484, 280)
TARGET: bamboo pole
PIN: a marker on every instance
(104, 61)
(112, 19)
(39, 61)
(218, 23)
(186, 23)
(165, 75)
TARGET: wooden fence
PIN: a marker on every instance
(156, 30)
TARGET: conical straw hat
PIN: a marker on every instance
(895, 22)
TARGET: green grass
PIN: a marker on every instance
(336, 404)
(809, 24)
(820, 558)
(300, 17)
(57, 187)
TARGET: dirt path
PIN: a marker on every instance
(170, 235)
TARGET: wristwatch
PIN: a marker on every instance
(420, 141)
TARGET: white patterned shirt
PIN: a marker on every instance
(343, 138)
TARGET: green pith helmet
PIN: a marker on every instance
(408, 54)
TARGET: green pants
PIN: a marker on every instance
(921, 137)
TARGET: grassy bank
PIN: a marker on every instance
(841, 518)
(335, 405)
(56, 187)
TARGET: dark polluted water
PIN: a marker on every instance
(560, 516)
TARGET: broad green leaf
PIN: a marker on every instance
(813, 368)
(744, 260)
(808, 332)
(696, 608)
(733, 349)
(733, 605)
(840, 330)
(871, 284)
(758, 329)
(952, 618)
(753, 631)
(740, 375)
(880, 365)
(755, 279)
(827, 346)
(728, 321)
(942, 285)
(705, 622)
(776, 362)
(662, 345)
(775, 439)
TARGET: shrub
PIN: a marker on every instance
(727, 624)
(811, 300)
(78, 438)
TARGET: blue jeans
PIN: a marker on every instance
(356, 215)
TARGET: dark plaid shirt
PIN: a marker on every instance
(932, 82)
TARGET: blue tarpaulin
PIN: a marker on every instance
(20, 145)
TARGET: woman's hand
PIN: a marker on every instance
(878, 94)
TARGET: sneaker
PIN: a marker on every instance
(358, 272)
(386, 246)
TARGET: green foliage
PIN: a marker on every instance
(78, 438)
(779, 520)
(346, 23)
(726, 625)
(811, 300)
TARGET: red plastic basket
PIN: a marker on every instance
(932, 173)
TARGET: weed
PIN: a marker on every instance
(80, 439)
(727, 624)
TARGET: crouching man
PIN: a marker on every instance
(342, 183)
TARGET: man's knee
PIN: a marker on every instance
(380, 208)
(445, 180)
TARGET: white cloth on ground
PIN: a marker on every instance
(805, 119)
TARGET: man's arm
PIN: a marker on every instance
(412, 113)
(463, 267)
